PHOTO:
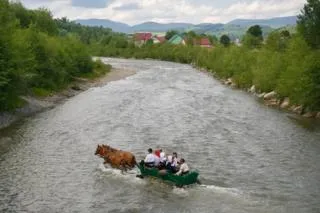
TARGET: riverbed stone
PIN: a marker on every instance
(228, 81)
(270, 95)
(252, 89)
(285, 103)
(309, 114)
(261, 95)
(297, 109)
(272, 102)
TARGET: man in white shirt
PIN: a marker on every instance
(163, 158)
(184, 169)
(149, 161)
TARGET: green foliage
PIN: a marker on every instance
(149, 42)
(253, 38)
(170, 34)
(255, 31)
(277, 41)
(40, 92)
(33, 58)
(309, 23)
(267, 69)
(225, 40)
(213, 39)
(294, 81)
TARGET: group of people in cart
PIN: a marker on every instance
(159, 159)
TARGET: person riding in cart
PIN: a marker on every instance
(149, 161)
(184, 168)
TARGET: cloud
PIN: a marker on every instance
(164, 11)
(91, 3)
(256, 9)
(130, 6)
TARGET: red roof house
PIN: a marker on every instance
(203, 42)
(141, 38)
(160, 39)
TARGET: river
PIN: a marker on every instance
(251, 158)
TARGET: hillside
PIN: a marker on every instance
(273, 22)
(235, 28)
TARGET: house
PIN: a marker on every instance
(159, 39)
(176, 40)
(202, 42)
(141, 38)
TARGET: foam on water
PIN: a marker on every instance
(129, 175)
(181, 192)
(222, 190)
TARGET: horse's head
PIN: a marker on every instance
(99, 150)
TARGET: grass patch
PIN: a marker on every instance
(41, 92)
(99, 69)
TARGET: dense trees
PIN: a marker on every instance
(33, 56)
(309, 23)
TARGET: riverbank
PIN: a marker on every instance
(270, 99)
(38, 104)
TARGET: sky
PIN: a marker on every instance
(166, 11)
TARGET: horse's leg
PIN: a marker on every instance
(124, 165)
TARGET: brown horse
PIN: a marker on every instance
(115, 162)
(116, 158)
(128, 157)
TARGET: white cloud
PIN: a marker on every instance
(256, 9)
(163, 11)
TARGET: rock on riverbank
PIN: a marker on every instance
(273, 100)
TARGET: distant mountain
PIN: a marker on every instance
(115, 26)
(157, 27)
(273, 22)
(235, 28)
(206, 27)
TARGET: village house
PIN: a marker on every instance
(159, 39)
(141, 38)
(202, 42)
(177, 40)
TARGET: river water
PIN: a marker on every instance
(251, 158)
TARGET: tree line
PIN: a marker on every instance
(39, 54)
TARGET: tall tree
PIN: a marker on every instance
(225, 40)
(255, 31)
(170, 34)
(253, 37)
(309, 23)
